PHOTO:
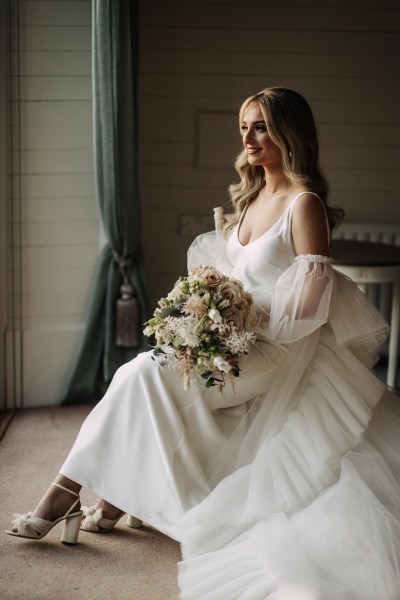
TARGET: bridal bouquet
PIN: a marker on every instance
(204, 325)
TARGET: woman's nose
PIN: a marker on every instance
(247, 136)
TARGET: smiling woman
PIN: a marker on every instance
(285, 484)
(286, 142)
(280, 159)
(261, 150)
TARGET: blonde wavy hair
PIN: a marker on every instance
(291, 126)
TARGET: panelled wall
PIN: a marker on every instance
(3, 203)
(200, 59)
(52, 201)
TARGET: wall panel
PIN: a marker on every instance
(267, 16)
(55, 216)
(337, 42)
(200, 59)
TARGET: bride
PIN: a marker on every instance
(287, 486)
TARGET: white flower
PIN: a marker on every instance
(195, 306)
(163, 336)
(215, 315)
(221, 364)
(176, 294)
(238, 342)
(183, 329)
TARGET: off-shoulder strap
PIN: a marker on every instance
(293, 202)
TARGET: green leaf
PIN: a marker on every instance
(206, 375)
(158, 351)
(168, 311)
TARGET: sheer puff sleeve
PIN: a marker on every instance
(311, 293)
(301, 298)
(209, 249)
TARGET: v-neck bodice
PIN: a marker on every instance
(275, 224)
(259, 263)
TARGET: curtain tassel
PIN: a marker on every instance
(127, 319)
(127, 331)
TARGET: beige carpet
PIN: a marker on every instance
(120, 565)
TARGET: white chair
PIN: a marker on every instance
(365, 263)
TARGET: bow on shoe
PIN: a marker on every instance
(30, 526)
(92, 517)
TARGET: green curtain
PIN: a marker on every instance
(115, 62)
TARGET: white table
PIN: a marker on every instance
(370, 262)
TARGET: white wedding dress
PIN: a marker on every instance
(287, 486)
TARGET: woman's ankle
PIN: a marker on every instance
(55, 502)
(68, 483)
(109, 510)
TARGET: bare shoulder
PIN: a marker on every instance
(309, 226)
(309, 207)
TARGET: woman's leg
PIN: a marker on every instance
(55, 502)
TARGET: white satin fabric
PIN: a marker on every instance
(286, 487)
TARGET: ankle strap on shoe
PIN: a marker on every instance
(65, 489)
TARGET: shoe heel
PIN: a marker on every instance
(134, 522)
(71, 530)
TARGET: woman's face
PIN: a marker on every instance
(261, 150)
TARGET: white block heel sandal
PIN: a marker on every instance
(35, 528)
(134, 522)
(96, 523)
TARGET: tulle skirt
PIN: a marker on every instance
(285, 487)
(342, 545)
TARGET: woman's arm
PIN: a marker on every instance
(310, 230)
(302, 295)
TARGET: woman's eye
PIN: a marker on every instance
(256, 127)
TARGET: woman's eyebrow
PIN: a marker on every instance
(255, 122)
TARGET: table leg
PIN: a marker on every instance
(394, 336)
